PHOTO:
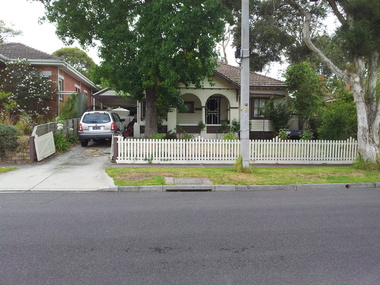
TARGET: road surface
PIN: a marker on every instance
(260, 237)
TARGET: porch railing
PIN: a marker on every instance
(202, 151)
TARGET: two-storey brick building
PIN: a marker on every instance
(67, 79)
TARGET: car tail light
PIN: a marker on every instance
(113, 127)
(80, 128)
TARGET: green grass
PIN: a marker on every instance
(6, 169)
(130, 176)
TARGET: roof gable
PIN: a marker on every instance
(232, 74)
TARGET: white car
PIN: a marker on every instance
(99, 125)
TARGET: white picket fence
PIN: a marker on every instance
(202, 151)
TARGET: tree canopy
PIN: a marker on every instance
(7, 32)
(294, 30)
(148, 47)
(77, 58)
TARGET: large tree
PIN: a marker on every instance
(297, 24)
(148, 47)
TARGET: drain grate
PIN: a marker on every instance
(189, 190)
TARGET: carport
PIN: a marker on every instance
(107, 98)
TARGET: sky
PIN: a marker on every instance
(23, 15)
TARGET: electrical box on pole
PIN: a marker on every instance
(244, 85)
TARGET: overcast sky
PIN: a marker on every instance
(24, 16)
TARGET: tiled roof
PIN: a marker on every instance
(232, 74)
(19, 51)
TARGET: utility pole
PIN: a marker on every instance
(244, 85)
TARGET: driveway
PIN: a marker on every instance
(79, 169)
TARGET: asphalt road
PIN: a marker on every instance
(260, 237)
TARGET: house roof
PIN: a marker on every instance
(14, 51)
(232, 74)
(19, 51)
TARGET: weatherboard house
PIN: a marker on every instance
(67, 79)
(214, 105)
(219, 102)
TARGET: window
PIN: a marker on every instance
(190, 107)
(77, 88)
(46, 73)
(258, 107)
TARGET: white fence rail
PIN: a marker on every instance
(274, 151)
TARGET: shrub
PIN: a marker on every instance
(72, 138)
(158, 136)
(229, 136)
(283, 134)
(201, 126)
(8, 139)
(307, 134)
(25, 124)
(61, 142)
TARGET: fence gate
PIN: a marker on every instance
(44, 146)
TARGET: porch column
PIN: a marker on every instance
(172, 120)
(204, 132)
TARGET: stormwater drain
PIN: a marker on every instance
(188, 190)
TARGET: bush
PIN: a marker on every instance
(61, 142)
(230, 136)
(283, 134)
(307, 134)
(158, 136)
(8, 139)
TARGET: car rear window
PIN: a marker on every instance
(96, 118)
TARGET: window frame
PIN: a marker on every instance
(254, 104)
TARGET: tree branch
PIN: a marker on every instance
(336, 11)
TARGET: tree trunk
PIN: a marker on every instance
(363, 85)
(151, 112)
(368, 111)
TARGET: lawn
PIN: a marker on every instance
(6, 169)
(131, 176)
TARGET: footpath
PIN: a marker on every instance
(82, 170)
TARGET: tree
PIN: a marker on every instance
(280, 113)
(27, 89)
(337, 119)
(148, 47)
(7, 32)
(76, 58)
(307, 90)
(358, 37)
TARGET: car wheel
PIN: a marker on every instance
(84, 143)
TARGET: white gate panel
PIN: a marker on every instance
(44, 146)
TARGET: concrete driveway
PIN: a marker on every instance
(79, 169)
